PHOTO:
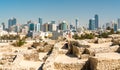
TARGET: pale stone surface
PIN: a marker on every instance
(104, 40)
(93, 51)
(105, 61)
(64, 62)
(78, 51)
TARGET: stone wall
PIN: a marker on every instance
(49, 63)
(106, 61)
(93, 51)
(104, 40)
(68, 66)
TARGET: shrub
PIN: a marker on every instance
(85, 36)
(76, 36)
(19, 43)
(104, 35)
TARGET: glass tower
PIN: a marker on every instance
(96, 21)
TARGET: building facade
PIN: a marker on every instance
(96, 21)
(92, 24)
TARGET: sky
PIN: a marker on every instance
(59, 10)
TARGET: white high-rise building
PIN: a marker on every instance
(37, 27)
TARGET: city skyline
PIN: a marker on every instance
(57, 10)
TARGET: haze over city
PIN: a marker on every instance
(58, 10)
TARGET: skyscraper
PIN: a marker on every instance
(76, 23)
(3, 24)
(115, 27)
(46, 27)
(37, 27)
(52, 26)
(92, 24)
(11, 22)
(96, 21)
(40, 21)
(31, 27)
(119, 23)
(14, 21)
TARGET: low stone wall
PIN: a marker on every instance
(104, 40)
(68, 66)
(49, 63)
(105, 61)
(93, 51)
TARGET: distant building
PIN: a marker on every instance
(71, 26)
(37, 27)
(41, 23)
(1, 28)
(25, 30)
(17, 28)
(96, 21)
(52, 22)
(11, 22)
(92, 24)
(3, 24)
(52, 26)
(119, 23)
(110, 25)
(115, 27)
(46, 27)
(63, 26)
(28, 22)
(31, 27)
(76, 24)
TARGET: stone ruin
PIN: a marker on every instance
(80, 55)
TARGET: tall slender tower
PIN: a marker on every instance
(119, 23)
(76, 23)
(96, 21)
(40, 21)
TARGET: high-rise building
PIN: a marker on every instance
(119, 23)
(92, 24)
(31, 27)
(3, 24)
(52, 26)
(76, 23)
(11, 22)
(37, 27)
(115, 27)
(63, 25)
(46, 27)
(14, 21)
(40, 21)
(96, 21)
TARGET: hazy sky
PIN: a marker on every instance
(58, 10)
